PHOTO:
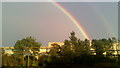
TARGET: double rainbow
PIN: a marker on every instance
(72, 18)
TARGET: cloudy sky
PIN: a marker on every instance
(47, 23)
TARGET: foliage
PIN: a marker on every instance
(9, 60)
(24, 46)
(74, 52)
(55, 50)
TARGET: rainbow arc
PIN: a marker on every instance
(71, 18)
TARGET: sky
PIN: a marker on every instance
(47, 23)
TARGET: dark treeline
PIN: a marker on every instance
(75, 53)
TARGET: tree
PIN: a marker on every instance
(9, 60)
(66, 49)
(67, 42)
(26, 45)
(19, 50)
(107, 46)
(67, 53)
(73, 41)
(114, 40)
(87, 47)
(55, 50)
(73, 38)
(80, 48)
(99, 47)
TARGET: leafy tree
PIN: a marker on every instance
(9, 60)
(67, 42)
(55, 50)
(66, 48)
(107, 46)
(73, 41)
(102, 45)
(43, 60)
(87, 47)
(73, 38)
(114, 40)
(19, 50)
(67, 53)
(26, 45)
(80, 48)
(98, 47)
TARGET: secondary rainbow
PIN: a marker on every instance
(72, 18)
(103, 20)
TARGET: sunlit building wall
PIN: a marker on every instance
(59, 43)
(116, 47)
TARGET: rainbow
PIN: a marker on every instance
(103, 20)
(72, 18)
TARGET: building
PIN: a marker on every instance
(115, 48)
(59, 43)
(8, 50)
